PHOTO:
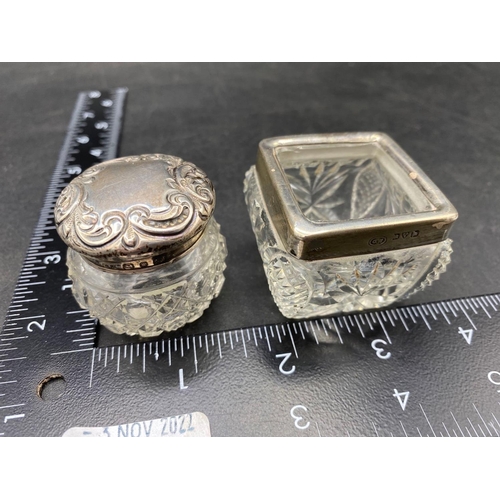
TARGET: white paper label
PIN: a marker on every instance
(189, 425)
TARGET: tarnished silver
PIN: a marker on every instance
(136, 212)
(424, 217)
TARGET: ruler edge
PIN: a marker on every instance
(137, 340)
(114, 144)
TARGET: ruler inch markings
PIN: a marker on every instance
(426, 418)
(218, 343)
(484, 309)
(419, 312)
(403, 322)
(244, 344)
(466, 315)
(359, 326)
(195, 357)
(337, 329)
(481, 417)
(429, 310)
(325, 328)
(368, 320)
(441, 308)
(473, 428)
(491, 303)
(267, 339)
(383, 327)
(293, 342)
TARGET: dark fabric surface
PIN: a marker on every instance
(446, 117)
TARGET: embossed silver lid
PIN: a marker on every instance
(135, 212)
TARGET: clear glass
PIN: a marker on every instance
(340, 182)
(303, 289)
(152, 301)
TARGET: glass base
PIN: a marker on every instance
(160, 299)
(304, 289)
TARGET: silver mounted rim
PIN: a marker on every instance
(311, 240)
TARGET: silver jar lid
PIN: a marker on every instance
(135, 212)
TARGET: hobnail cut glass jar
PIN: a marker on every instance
(345, 222)
(163, 298)
(145, 253)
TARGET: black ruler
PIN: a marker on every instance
(425, 370)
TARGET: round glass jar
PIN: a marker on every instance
(145, 253)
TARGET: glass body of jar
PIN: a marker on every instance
(162, 298)
(309, 288)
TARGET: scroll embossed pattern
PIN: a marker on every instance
(188, 198)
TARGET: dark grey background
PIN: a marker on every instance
(446, 116)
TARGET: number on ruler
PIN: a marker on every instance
(74, 170)
(467, 334)
(37, 324)
(12, 417)
(494, 378)
(96, 152)
(286, 357)
(55, 259)
(181, 380)
(64, 287)
(402, 398)
(298, 418)
(380, 350)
